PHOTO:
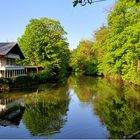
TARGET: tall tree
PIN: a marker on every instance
(123, 43)
(44, 43)
(100, 37)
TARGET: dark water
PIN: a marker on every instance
(84, 107)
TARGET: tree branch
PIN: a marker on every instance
(84, 2)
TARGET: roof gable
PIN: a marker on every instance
(11, 47)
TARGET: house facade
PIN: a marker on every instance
(10, 53)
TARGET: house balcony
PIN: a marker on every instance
(17, 70)
(12, 67)
(12, 71)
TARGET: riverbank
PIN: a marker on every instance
(26, 81)
(117, 79)
(35, 79)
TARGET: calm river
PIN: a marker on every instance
(84, 107)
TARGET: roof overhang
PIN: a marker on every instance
(11, 48)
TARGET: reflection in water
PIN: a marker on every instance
(46, 111)
(84, 87)
(117, 106)
(87, 107)
(11, 110)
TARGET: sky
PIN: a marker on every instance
(79, 22)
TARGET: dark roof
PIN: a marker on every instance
(11, 47)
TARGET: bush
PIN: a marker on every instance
(25, 81)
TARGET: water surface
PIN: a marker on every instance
(84, 107)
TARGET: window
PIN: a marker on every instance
(11, 61)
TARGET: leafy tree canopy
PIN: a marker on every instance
(123, 43)
(83, 58)
(44, 43)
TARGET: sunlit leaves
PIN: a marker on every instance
(123, 50)
(44, 43)
(83, 58)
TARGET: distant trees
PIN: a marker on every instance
(100, 37)
(88, 57)
(44, 43)
(83, 58)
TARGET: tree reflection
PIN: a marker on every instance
(84, 87)
(45, 111)
(116, 104)
(118, 108)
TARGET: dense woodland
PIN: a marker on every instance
(113, 52)
(115, 48)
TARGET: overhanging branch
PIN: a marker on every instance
(84, 2)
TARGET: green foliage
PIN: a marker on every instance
(44, 43)
(100, 37)
(91, 66)
(123, 43)
(116, 104)
(88, 58)
(83, 59)
(27, 81)
(115, 50)
(45, 112)
(5, 81)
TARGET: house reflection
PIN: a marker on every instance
(2, 107)
(11, 111)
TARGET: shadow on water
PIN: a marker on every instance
(44, 112)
